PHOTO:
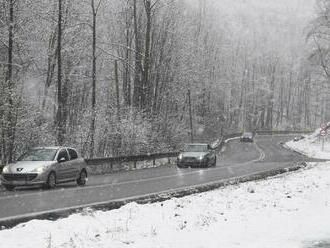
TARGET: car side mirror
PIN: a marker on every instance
(61, 160)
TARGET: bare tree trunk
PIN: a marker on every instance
(147, 87)
(307, 102)
(138, 64)
(117, 90)
(59, 117)
(126, 73)
(190, 118)
(269, 117)
(279, 119)
(158, 72)
(52, 55)
(92, 128)
(118, 137)
(9, 80)
(288, 106)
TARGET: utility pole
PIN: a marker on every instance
(190, 118)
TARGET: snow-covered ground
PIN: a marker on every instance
(311, 146)
(291, 211)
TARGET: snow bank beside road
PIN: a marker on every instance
(285, 211)
(311, 146)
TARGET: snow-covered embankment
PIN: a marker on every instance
(311, 146)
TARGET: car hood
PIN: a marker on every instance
(193, 154)
(27, 166)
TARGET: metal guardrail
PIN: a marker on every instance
(143, 157)
(115, 164)
(282, 132)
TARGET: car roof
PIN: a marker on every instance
(197, 144)
(53, 147)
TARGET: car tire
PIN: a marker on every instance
(181, 166)
(51, 180)
(215, 161)
(207, 163)
(9, 187)
(81, 181)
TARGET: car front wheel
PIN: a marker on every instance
(81, 181)
(51, 181)
(207, 163)
(9, 187)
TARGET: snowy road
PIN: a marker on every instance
(237, 159)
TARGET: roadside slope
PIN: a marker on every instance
(311, 146)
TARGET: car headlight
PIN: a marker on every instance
(40, 169)
(201, 157)
(5, 169)
(180, 156)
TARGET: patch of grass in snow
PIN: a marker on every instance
(49, 241)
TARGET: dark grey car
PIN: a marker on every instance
(45, 166)
(197, 155)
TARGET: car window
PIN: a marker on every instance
(247, 134)
(73, 154)
(38, 154)
(63, 154)
(196, 148)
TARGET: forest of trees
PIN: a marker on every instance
(122, 76)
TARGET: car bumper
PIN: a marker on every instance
(192, 164)
(29, 180)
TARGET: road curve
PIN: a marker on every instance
(236, 159)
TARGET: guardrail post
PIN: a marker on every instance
(154, 162)
(134, 164)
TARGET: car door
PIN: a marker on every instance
(63, 168)
(74, 163)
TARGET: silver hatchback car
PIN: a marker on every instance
(46, 166)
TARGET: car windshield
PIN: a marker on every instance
(195, 148)
(247, 134)
(38, 155)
